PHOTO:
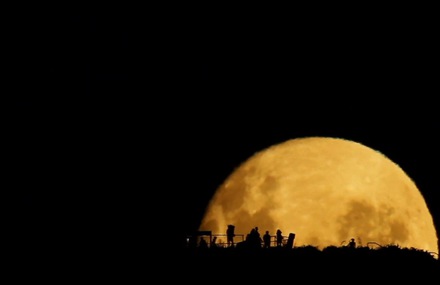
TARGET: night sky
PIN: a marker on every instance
(119, 124)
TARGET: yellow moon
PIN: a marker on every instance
(326, 191)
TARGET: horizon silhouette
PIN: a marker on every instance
(334, 262)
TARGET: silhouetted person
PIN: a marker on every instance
(250, 235)
(352, 243)
(213, 242)
(266, 240)
(230, 235)
(279, 238)
(251, 238)
(254, 239)
(203, 243)
(258, 239)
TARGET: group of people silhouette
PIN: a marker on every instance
(253, 238)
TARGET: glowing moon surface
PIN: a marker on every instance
(326, 191)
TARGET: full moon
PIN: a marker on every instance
(325, 191)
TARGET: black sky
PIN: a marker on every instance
(137, 122)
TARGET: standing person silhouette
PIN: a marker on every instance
(230, 235)
(258, 238)
(352, 243)
(203, 244)
(279, 238)
(266, 240)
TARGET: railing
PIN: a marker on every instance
(220, 240)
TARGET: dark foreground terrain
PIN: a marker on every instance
(308, 264)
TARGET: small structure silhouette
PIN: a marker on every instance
(193, 238)
(290, 240)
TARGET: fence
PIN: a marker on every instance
(220, 240)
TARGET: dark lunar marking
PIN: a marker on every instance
(396, 231)
(242, 219)
(363, 219)
(263, 221)
(399, 231)
(230, 200)
(268, 185)
(358, 219)
(245, 221)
